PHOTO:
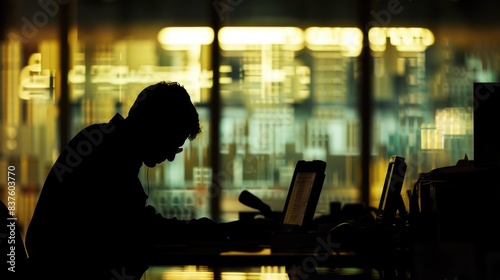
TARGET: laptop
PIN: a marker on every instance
(303, 195)
(301, 201)
(391, 200)
(297, 215)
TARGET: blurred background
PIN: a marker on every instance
(348, 82)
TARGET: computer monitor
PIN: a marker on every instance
(486, 114)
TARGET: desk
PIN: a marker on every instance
(317, 260)
(263, 257)
(423, 262)
(263, 264)
(250, 273)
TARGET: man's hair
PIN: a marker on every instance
(166, 103)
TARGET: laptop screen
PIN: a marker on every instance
(303, 194)
(300, 194)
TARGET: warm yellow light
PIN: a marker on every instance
(411, 39)
(187, 272)
(241, 38)
(377, 39)
(431, 137)
(453, 120)
(348, 41)
(181, 37)
(405, 39)
(449, 122)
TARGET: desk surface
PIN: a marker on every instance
(299, 253)
(317, 256)
(425, 261)
(295, 264)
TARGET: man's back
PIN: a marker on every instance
(90, 213)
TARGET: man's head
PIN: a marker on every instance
(163, 116)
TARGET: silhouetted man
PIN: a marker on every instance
(91, 220)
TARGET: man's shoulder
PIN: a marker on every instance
(95, 133)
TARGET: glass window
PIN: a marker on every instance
(288, 79)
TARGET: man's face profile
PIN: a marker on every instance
(162, 146)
